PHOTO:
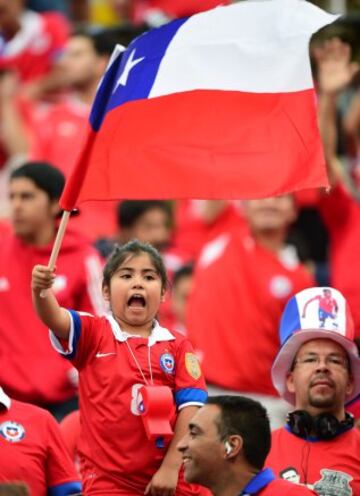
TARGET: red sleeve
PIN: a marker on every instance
(190, 387)
(59, 466)
(335, 207)
(59, 31)
(83, 338)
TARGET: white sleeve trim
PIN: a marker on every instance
(191, 403)
(56, 344)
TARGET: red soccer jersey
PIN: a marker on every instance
(32, 449)
(30, 369)
(193, 232)
(283, 488)
(240, 290)
(264, 483)
(36, 46)
(328, 467)
(342, 217)
(116, 456)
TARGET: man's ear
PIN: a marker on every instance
(234, 442)
(350, 385)
(290, 383)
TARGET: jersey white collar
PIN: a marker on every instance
(158, 333)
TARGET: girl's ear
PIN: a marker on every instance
(163, 297)
(106, 293)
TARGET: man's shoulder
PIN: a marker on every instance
(26, 412)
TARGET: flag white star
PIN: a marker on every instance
(130, 63)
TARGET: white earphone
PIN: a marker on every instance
(228, 448)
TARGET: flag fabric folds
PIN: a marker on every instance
(217, 105)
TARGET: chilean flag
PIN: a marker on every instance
(217, 105)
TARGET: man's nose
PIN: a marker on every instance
(182, 444)
(322, 365)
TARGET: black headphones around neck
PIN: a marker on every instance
(325, 426)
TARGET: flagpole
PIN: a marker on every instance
(57, 243)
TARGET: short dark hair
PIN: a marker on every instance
(135, 248)
(184, 271)
(246, 418)
(129, 211)
(44, 175)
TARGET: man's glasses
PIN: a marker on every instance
(331, 361)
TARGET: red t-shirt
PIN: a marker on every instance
(116, 456)
(193, 232)
(32, 449)
(70, 430)
(240, 290)
(341, 214)
(328, 467)
(30, 369)
(36, 46)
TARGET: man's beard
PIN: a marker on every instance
(322, 401)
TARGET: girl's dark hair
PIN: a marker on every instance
(135, 248)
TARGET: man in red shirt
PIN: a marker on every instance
(31, 44)
(241, 284)
(32, 450)
(58, 131)
(317, 370)
(30, 369)
(226, 446)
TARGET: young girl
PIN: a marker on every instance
(115, 355)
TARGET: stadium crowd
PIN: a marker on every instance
(221, 279)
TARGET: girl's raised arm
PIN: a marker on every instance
(46, 304)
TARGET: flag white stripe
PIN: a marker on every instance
(255, 46)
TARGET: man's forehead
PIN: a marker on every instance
(206, 416)
(323, 345)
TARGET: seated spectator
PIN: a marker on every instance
(32, 451)
(241, 285)
(226, 446)
(30, 369)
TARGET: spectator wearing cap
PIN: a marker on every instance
(30, 369)
(317, 370)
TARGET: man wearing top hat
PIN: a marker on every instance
(317, 370)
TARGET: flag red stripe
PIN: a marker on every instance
(207, 144)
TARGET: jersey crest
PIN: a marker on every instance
(12, 431)
(333, 482)
(192, 365)
(167, 363)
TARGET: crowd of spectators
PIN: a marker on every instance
(232, 265)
